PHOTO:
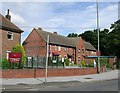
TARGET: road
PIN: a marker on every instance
(111, 85)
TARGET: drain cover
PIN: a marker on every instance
(87, 78)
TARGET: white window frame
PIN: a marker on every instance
(79, 50)
(10, 33)
(65, 49)
(55, 47)
(83, 51)
(79, 59)
(59, 48)
(7, 54)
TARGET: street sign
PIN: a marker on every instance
(14, 57)
(98, 53)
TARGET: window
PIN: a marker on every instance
(50, 47)
(78, 50)
(78, 58)
(55, 47)
(59, 48)
(10, 36)
(83, 51)
(65, 49)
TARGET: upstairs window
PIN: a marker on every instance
(78, 58)
(59, 48)
(83, 51)
(65, 49)
(55, 47)
(10, 36)
(78, 50)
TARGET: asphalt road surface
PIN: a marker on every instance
(111, 85)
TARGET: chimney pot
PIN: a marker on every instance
(55, 32)
(8, 16)
(39, 28)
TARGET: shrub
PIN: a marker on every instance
(104, 61)
(91, 64)
(72, 64)
(67, 62)
(83, 63)
(5, 64)
(60, 63)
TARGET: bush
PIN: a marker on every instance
(104, 62)
(83, 63)
(72, 64)
(60, 63)
(67, 62)
(5, 64)
(91, 64)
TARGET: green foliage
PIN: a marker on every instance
(5, 64)
(83, 63)
(67, 62)
(73, 35)
(72, 64)
(19, 48)
(104, 62)
(109, 40)
(118, 64)
(60, 63)
(91, 64)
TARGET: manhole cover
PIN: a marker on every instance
(87, 78)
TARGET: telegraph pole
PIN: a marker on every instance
(46, 73)
(98, 36)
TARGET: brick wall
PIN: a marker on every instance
(9, 44)
(80, 46)
(31, 73)
(62, 51)
(35, 45)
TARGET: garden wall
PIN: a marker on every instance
(32, 73)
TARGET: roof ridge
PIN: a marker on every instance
(8, 24)
(51, 33)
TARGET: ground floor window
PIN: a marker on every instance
(78, 58)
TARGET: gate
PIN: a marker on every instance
(35, 62)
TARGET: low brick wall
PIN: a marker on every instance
(31, 73)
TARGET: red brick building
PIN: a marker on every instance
(10, 35)
(59, 46)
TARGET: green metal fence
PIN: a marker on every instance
(40, 62)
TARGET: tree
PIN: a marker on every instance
(114, 40)
(19, 48)
(90, 36)
(72, 35)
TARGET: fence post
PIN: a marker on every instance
(37, 61)
(32, 62)
(26, 61)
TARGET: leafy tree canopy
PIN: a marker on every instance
(109, 40)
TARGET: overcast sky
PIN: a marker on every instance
(62, 17)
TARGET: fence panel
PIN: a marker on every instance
(40, 62)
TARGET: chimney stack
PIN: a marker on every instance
(39, 28)
(8, 16)
(55, 32)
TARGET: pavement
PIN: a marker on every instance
(110, 75)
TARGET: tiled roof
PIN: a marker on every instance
(56, 39)
(5, 24)
(62, 40)
(88, 46)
